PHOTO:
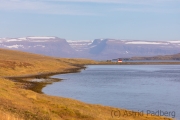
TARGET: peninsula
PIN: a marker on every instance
(22, 99)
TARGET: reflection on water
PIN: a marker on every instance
(135, 87)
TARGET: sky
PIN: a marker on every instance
(91, 19)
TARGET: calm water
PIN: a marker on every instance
(134, 87)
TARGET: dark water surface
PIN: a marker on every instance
(135, 87)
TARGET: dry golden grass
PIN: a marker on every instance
(26, 104)
(17, 103)
(20, 63)
(8, 116)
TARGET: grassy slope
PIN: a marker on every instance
(20, 63)
(17, 103)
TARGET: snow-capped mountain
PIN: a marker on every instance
(99, 49)
(51, 46)
(129, 48)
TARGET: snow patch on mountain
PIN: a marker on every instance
(23, 38)
(41, 37)
(12, 40)
(80, 45)
(143, 42)
(40, 46)
(14, 46)
(174, 41)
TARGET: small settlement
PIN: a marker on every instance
(119, 60)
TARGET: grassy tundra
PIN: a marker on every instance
(17, 103)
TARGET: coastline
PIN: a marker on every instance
(19, 70)
(28, 83)
(27, 80)
(37, 88)
(138, 63)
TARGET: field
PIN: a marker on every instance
(17, 102)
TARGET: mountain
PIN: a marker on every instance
(51, 46)
(112, 48)
(98, 49)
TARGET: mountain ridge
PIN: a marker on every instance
(98, 49)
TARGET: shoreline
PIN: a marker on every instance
(22, 77)
(27, 83)
(139, 63)
(27, 80)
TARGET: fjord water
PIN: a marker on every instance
(135, 87)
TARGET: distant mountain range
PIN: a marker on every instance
(98, 49)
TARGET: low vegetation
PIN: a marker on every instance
(159, 57)
(17, 103)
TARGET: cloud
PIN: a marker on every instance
(119, 1)
(42, 7)
(69, 7)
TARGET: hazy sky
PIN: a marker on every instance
(90, 19)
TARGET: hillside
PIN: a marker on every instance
(17, 103)
(159, 57)
(20, 63)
